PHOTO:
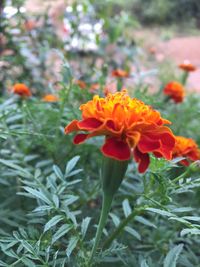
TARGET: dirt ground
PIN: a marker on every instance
(177, 49)
(184, 48)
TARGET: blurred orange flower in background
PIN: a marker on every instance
(175, 91)
(119, 73)
(50, 98)
(81, 84)
(94, 87)
(29, 25)
(129, 127)
(187, 66)
(22, 90)
(186, 147)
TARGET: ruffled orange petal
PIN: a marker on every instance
(116, 148)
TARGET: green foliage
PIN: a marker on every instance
(50, 189)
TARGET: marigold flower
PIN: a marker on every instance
(175, 91)
(119, 73)
(29, 25)
(22, 90)
(50, 98)
(129, 126)
(187, 66)
(94, 87)
(186, 147)
(81, 84)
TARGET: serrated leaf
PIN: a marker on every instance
(64, 229)
(144, 263)
(84, 225)
(115, 219)
(144, 221)
(28, 262)
(58, 172)
(55, 199)
(71, 164)
(161, 212)
(42, 208)
(181, 220)
(21, 170)
(192, 231)
(37, 194)
(56, 219)
(73, 173)
(3, 263)
(72, 244)
(192, 218)
(172, 256)
(126, 207)
(183, 209)
(70, 199)
(133, 232)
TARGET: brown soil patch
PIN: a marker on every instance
(184, 48)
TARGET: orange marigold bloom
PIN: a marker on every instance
(50, 98)
(187, 66)
(22, 90)
(186, 147)
(81, 84)
(129, 126)
(175, 91)
(120, 73)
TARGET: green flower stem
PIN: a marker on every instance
(107, 201)
(184, 77)
(112, 174)
(120, 228)
(119, 84)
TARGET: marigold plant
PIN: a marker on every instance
(175, 91)
(129, 126)
(50, 98)
(186, 147)
(22, 90)
(187, 66)
(119, 73)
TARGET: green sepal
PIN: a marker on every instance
(113, 172)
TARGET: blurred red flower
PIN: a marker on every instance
(22, 90)
(119, 73)
(29, 25)
(186, 147)
(81, 84)
(175, 91)
(187, 66)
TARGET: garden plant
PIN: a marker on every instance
(99, 144)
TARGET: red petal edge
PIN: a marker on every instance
(116, 148)
(72, 127)
(79, 138)
(142, 159)
(89, 124)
